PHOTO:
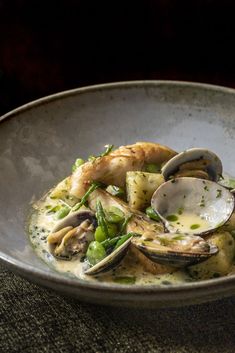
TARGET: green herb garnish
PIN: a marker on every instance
(153, 168)
(202, 204)
(180, 210)
(125, 279)
(195, 226)
(107, 150)
(167, 241)
(105, 153)
(53, 209)
(95, 185)
(77, 164)
(172, 218)
(219, 193)
(178, 237)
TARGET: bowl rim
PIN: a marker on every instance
(216, 284)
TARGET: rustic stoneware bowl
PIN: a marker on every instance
(40, 141)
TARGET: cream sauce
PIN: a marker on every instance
(42, 223)
(188, 222)
(128, 272)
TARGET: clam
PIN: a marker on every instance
(72, 235)
(75, 218)
(162, 248)
(192, 206)
(175, 249)
(194, 162)
(110, 261)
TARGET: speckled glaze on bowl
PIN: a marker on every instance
(40, 141)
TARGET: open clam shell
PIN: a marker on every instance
(174, 249)
(73, 219)
(110, 261)
(198, 162)
(72, 235)
(193, 206)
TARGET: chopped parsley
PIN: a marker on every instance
(195, 226)
(219, 193)
(172, 218)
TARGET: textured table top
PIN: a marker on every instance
(33, 319)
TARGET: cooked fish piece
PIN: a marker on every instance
(112, 169)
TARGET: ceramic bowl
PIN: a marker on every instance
(40, 141)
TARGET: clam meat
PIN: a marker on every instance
(194, 162)
(72, 235)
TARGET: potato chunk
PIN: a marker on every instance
(219, 264)
(140, 187)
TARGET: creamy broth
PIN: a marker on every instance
(187, 221)
(128, 272)
(89, 239)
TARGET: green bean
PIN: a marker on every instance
(123, 239)
(95, 185)
(117, 241)
(108, 243)
(124, 224)
(100, 215)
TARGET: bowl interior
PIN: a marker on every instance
(39, 142)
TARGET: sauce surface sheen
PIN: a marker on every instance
(128, 272)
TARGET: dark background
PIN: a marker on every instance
(49, 46)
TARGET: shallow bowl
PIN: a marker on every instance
(40, 141)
